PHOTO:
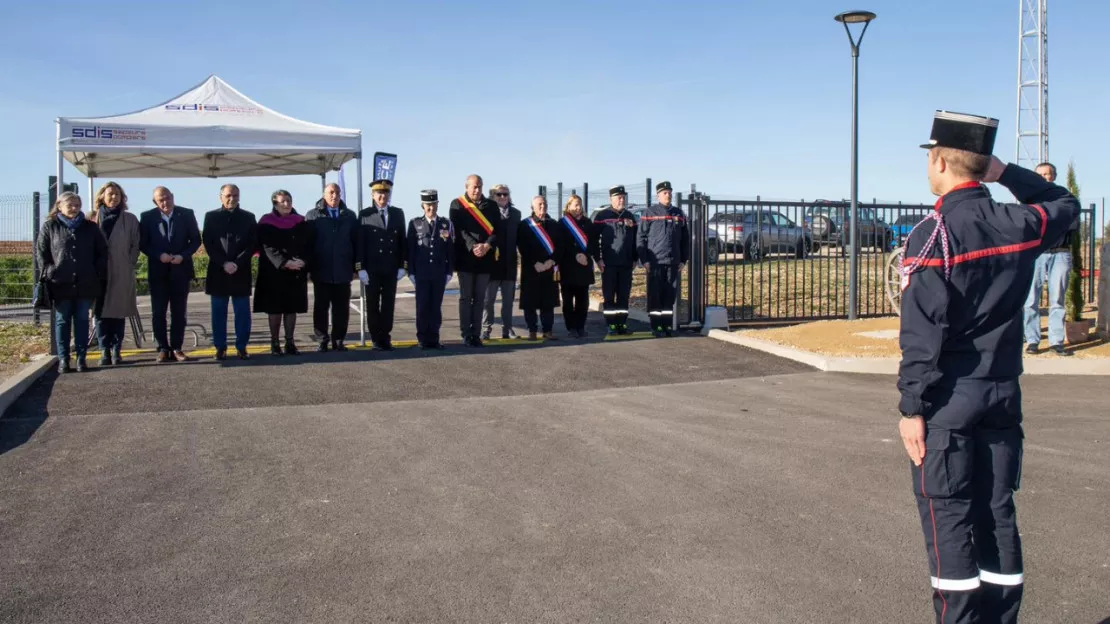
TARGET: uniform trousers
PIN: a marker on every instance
(429, 308)
(576, 305)
(965, 497)
(381, 297)
(662, 288)
(337, 297)
(616, 284)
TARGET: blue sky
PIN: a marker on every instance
(743, 98)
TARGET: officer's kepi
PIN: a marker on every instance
(970, 133)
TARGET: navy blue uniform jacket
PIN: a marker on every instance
(969, 326)
(663, 237)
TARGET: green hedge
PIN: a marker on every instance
(17, 276)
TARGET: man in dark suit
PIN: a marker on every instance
(229, 240)
(476, 251)
(503, 277)
(380, 261)
(169, 236)
(332, 266)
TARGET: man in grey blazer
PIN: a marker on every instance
(503, 277)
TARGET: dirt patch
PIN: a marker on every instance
(845, 339)
(19, 342)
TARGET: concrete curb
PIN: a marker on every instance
(18, 383)
(1038, 365)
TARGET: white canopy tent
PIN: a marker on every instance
(209, 131)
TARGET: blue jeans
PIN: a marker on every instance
(72, 314)
(111, 332)
(242, 307)
(1053, 267)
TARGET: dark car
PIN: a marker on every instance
(902, 226)
(713, 244)
(828, 224)
(758, 233)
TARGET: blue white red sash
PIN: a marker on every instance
(576, 231)
(542, 235)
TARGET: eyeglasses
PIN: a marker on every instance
(501, 194)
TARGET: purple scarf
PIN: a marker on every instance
(280, 222)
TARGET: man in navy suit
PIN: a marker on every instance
(169, 237)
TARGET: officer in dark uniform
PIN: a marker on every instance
(431, 255)
(664, 248)
(380, 253)
(616, 258)
(965, 275)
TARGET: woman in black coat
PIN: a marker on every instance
(537, 240)
(281, 290)
(73, 257)
(577, 248)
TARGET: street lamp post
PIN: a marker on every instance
(855, 17)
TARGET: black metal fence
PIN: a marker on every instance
(20, 216)
(782, 261)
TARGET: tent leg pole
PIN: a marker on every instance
(92, 198)
(362, 291)
(61, 159)
(323, 182)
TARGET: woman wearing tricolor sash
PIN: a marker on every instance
(537, 241)
(577, 248)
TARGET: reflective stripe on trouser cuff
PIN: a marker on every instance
(1009, 580)
(661, 313)
(955, 584)
(614, 312)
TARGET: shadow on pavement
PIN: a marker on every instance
(19, 426)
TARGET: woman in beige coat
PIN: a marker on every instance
(117, 303)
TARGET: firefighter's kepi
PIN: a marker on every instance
(965, 276)
(663, 245)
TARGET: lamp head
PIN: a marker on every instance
(855, 17)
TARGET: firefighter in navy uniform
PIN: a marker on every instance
(966, 272)
(663, 245)
(431, 258)
(616, 258)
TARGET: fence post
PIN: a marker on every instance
(542, 190)
(1091, 265)
(678, 288)
(647, 194)
(586, 198)
(559, 203)
(36, 203)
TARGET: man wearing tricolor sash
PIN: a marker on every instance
(578, 248)
(473, 216)
(616, 258)
(537, 240)
(664, 248)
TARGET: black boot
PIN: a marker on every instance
(117, 359)
(82, 366)
(106, 358)
(63, 365)
(291, 349)
(275, 348)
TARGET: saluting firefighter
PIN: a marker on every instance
(431, 254)
(616, 258)
(380, 253)
(965, 275)
(663, 244)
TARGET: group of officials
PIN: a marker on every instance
(492, 247)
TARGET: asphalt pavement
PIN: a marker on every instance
(650, 480)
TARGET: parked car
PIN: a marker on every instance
(828, 224)
(903, 225)
(713, 245)
(758, 233)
